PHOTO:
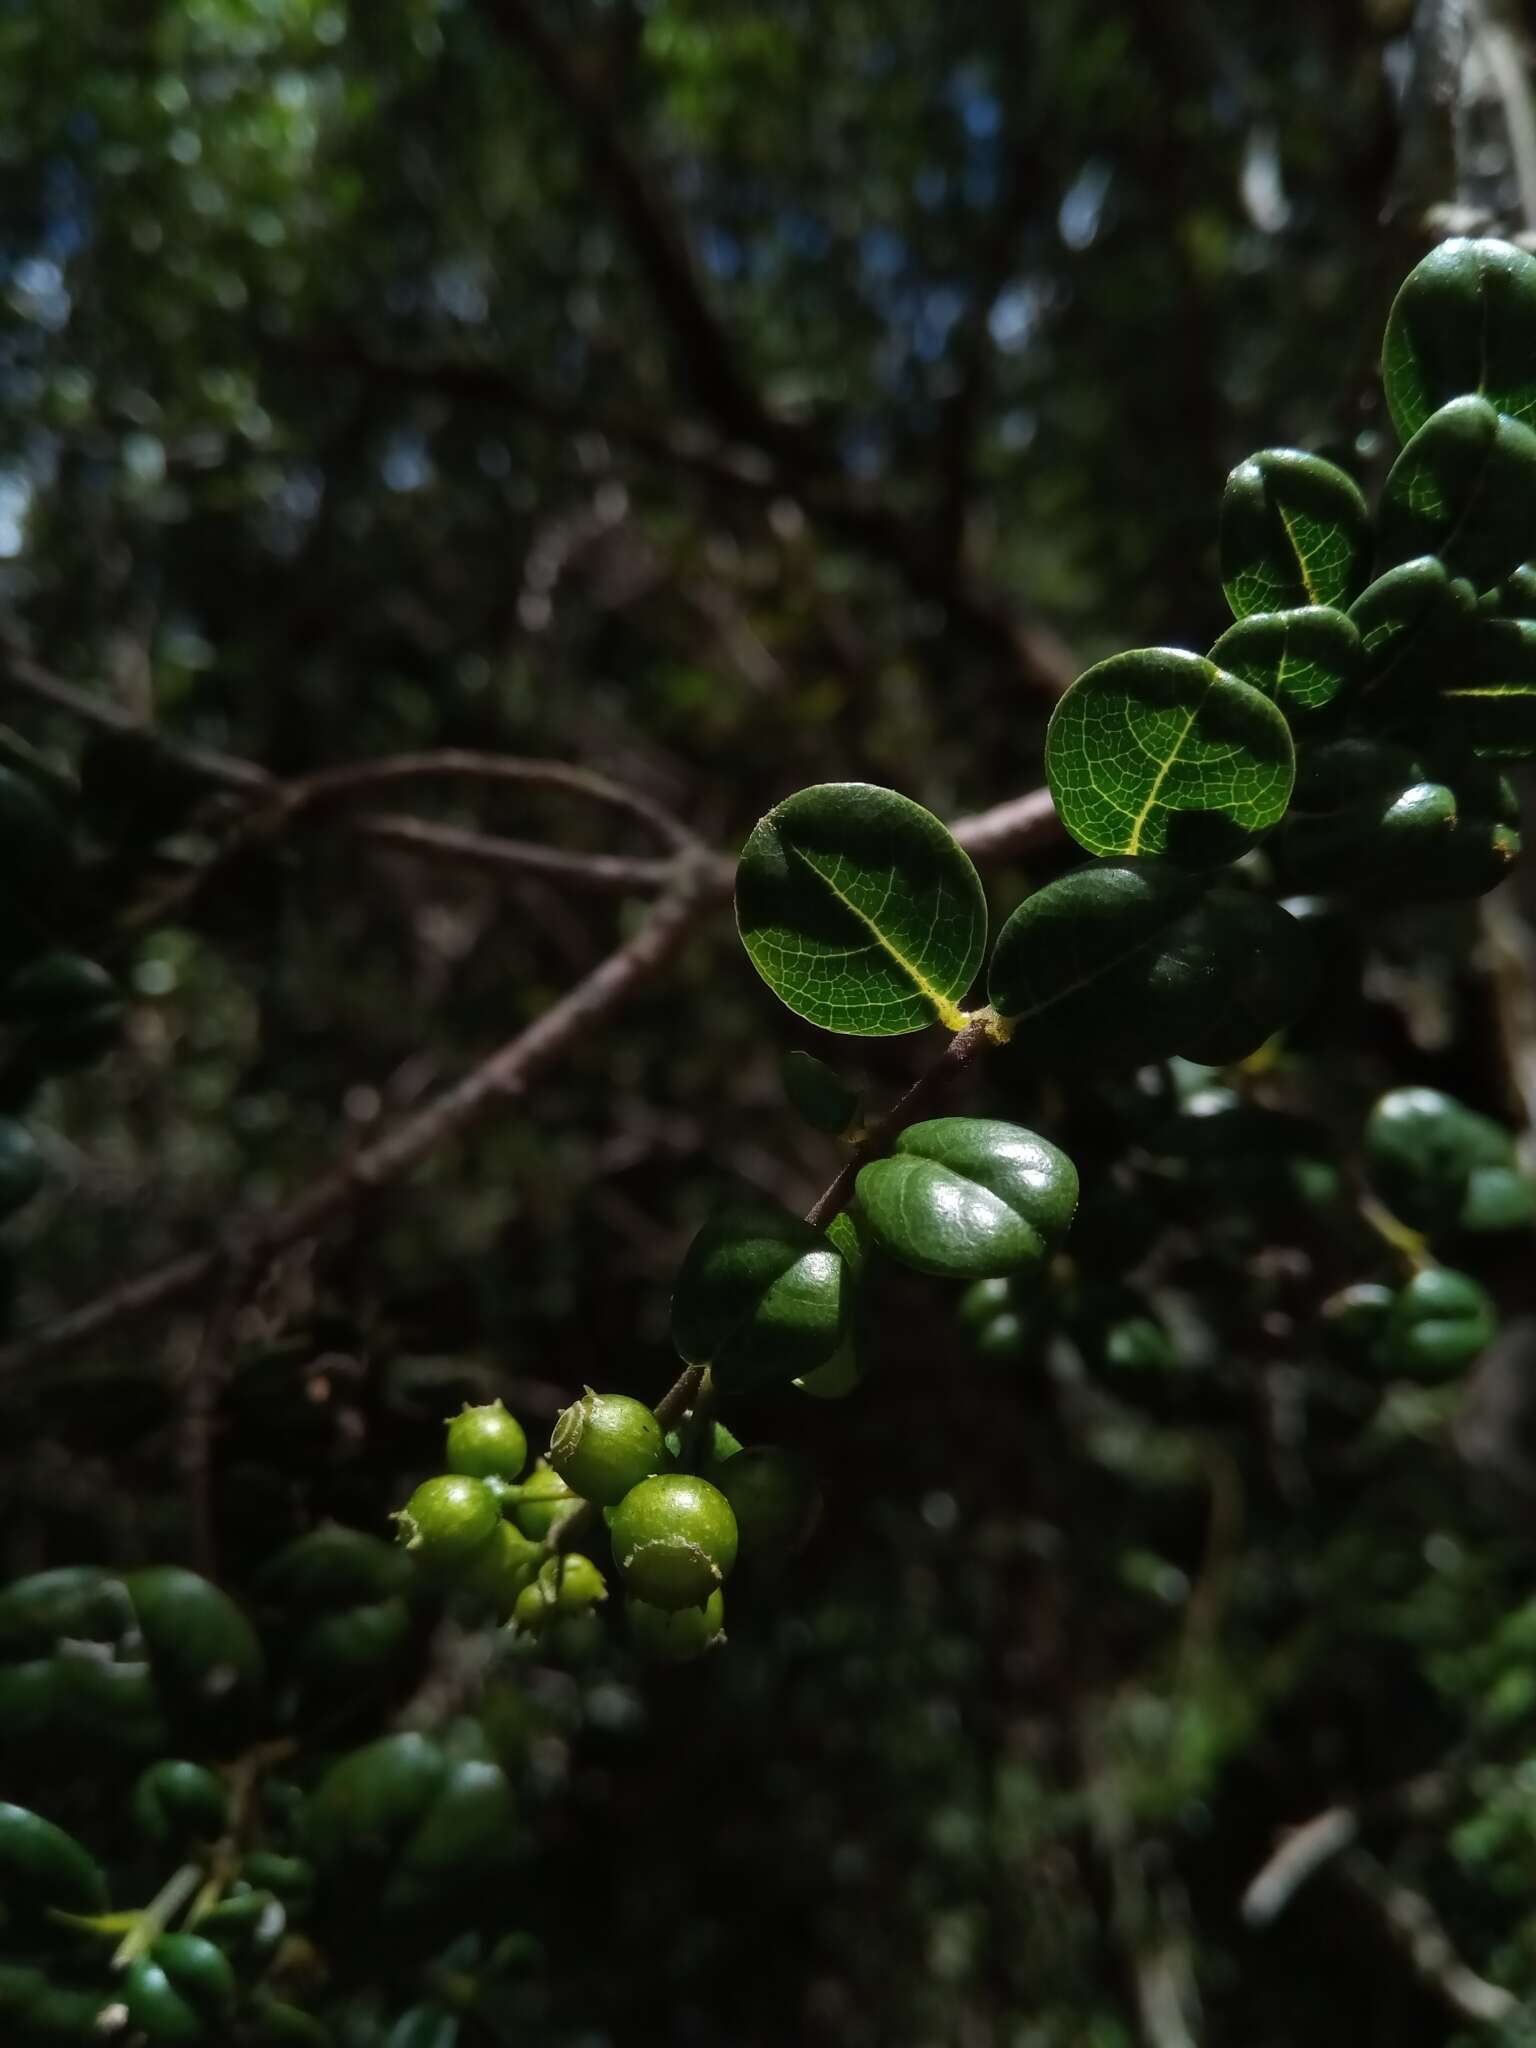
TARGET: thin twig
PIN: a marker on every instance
(1414, 1927)
(1011, 828)
(953, 1060)
(20, 671)
(331, 787)
(614, 873)
(501, 1078)
(1299, 1856)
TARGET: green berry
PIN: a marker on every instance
(675, 1635)
(604, 1444)
(503, 1568)
(542, 1497)
(674, 1539)
(776, 1501)
(448, 1520)
(567, 1584)
(486, 1443)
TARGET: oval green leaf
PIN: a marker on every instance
(1158, 751)
(1486, 698)
(1464, 489)
(1131, 960)
(761, 1298)
(860, 911)
(1464, 319)
(1405, 620)
(1294, 531)
(969, 1198)
(1301, 659)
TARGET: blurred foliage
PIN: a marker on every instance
(733, 398)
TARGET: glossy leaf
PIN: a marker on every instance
(1132, 960)
(1438, 1324)
(860, 911)
(761, 1298)
(1294, 531)
(1422, 1148)
(1158, 751)
(1463, 489)
(1406, 619)
(969, 1198)
(1486, 693)
(1464, 320)
(1302, 659)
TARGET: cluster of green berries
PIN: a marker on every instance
(678, 1508)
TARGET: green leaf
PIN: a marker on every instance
(1406, 619)
(1439, 1322)
(969, 1198)
(860, 911)
(821, 1097)
(761, 1297)
(1422, 1148)
(1157, 751)
(1303, 659)
(1294, 531)
(1412, 836)
(1464, 489)
(1486, 692)
(1464, 319)
(1132, 960)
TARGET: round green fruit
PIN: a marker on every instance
(605, 1444)
(504, 1567)
(540, 1500)
(567, 1584)
(674, 1540)
(448, 1520)
(486, 1442)
(776, 1500)
(675, 1635)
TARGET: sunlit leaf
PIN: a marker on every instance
(1464, 320)
(860, 911)
(1464, 489)
(1159, 751)
(1294, 531)
(1304, 659)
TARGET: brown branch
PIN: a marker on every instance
(607, 872)
(501, 1078)
(1015, 830)
(1009, 830)
(331, 787)
(953, 1060)
(21, 672)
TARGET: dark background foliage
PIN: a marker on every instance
(727, 398)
